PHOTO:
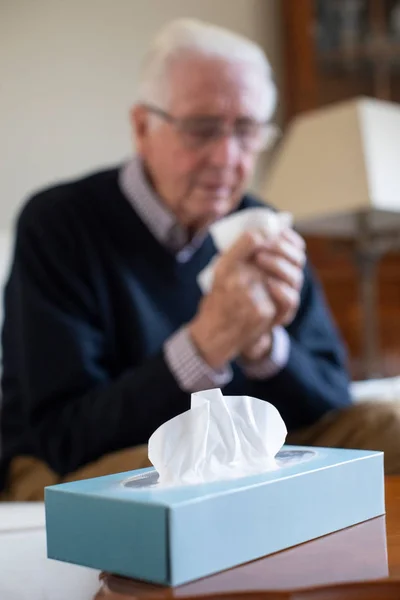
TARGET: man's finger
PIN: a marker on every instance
(289, 251)
(292, 236)
(278, 267)
(246, 247)
(286, 300)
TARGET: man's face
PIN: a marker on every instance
(201, 182)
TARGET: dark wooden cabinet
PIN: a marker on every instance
(338, 49)
(335, 50)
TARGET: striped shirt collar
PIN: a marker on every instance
(155, 215)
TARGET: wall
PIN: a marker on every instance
(68, 72)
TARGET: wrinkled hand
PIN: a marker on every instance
(282, 264)
(238, 310)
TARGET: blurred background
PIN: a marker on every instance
(68, 77)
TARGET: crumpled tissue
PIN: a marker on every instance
(219, 437)
(227, 231)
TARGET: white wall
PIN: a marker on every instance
(67, 78)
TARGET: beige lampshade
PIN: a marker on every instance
(337, 161)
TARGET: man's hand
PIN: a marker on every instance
(238, 310)
(258, 350)
(282, 265)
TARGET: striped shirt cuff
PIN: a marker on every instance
(189, 369)
(274, 362)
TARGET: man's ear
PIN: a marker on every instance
(139, 120)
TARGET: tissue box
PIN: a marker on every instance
(128, 525)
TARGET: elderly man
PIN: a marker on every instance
(106, 331)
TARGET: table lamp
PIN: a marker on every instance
(337, 170)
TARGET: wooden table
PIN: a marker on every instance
(362, 562)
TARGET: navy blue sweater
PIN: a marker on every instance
(91, 298)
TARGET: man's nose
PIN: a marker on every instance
(224, 151)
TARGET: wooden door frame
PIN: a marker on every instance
(300, 70)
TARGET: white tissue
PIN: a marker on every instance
(227, 231)
(220, 437)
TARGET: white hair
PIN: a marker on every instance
(184, 37)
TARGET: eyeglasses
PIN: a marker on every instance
(198, 132)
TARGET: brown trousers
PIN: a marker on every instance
(365, 426)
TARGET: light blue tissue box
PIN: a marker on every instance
(176, 535)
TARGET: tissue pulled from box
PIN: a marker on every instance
(227, 231)
(219, 437)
